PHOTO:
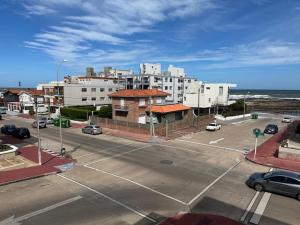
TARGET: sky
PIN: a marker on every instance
(253, 43)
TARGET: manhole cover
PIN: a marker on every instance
(165, 161)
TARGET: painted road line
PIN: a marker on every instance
(138, 184)
(216, 141)
(182, 149)
(117, 155)
(17, 220)
(106, 149)
(249, 207)
(215, 181)
(260, 208)
(212, 146)
(111, 199)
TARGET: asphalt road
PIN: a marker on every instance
(117, 181)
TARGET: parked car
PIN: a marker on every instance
(286, 120)
(213, 127)
(8, 129)
(92, 129)
(42, 124)
(271, 129)
(281, 182)
(3, 110)
(48, 120)
(21, 133)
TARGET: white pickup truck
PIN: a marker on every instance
(213, 127)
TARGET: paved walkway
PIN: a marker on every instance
(50, 164)
(268, 151)
(126, 135)
(198, 219)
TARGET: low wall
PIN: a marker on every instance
(222, 118)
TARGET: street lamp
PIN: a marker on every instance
(60, 130)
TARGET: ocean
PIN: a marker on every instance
(265, 94)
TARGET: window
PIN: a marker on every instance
(93, 89)
(142, 102)
(84, 99)
(202, 89)
(93, 98)
(83, 89)
(102, 98)
(170, 87)
(207, 88)
(102, 89)
(184, 98)
(158, 100)
(279, 179)
(179, 88)
(110, 89)
(220, 90)
(189, 81)
(186, 87)
(115, 82)
(292, 181)
(170, 79)
(209, 100)
(166, 79)
(166, 87)
(105, 80)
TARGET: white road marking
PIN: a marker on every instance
(117, 155)
(260, 208)
(136, 183)
(106, 149)
(212, 146)
(215, 181)
(216, 141)
(12, 220)
(111, 199)
(249, 207)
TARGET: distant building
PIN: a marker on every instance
(29, 99)
(53, 94)
(150, 68)
(83, 90)
(134, 106)
(206, 95)
(115, 73)
(176, 71)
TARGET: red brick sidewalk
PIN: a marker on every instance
(268, 151)
(198, 219)
(50, 164)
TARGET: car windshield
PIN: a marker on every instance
(97, 127)
(212, 124)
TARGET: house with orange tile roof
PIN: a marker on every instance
(133, 105)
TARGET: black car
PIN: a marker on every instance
(21, 133)
(281, 182)
(271, 129)
(8, 129)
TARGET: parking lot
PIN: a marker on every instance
(127, 182)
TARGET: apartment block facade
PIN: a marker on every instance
(90, 90)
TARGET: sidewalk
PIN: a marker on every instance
(268, 151)
(51, 163)
(197, 219)
(126, 135)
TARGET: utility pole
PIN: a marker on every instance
(198, 102)
(150, 111)
(38, 132)
(244, 107)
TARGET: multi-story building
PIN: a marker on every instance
(92, 90)
(135, 106)
(113, 72)
(53, 94)
(150, 68)
(206, 95)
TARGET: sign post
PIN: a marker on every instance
(257, 133)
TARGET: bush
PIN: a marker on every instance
(104, 112)
(235, 109)
(74, 113)
(31, 112)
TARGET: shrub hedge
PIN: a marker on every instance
(74, 113)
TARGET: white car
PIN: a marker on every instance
(286, 120)
(213, 127)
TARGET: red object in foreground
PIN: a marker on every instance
(199, 219)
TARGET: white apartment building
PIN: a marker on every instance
(115, 73)
(150, 68)
(94, 90)
(206, 95)
(176, 71)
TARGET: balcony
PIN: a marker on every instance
(122, 108)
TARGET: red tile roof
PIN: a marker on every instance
(14, 90)
(129, 93)
(33, 92)
(167, 108)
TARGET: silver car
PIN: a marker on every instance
(42, 124)
(92, 129)
(281, 182)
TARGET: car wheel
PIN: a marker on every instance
(298, 197)
(258, 187)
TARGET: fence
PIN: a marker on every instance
(168, 129)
